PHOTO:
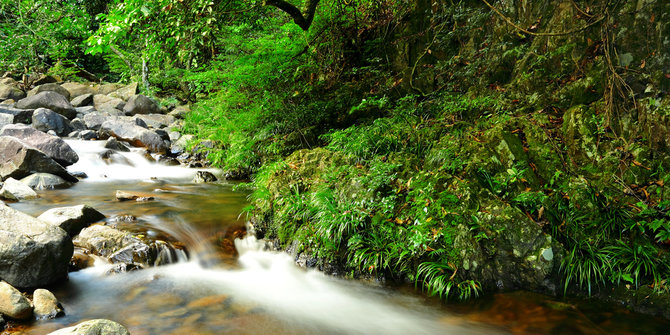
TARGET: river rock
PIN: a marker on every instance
(156, 121)
(46, 305)
(77, 89)
(18, 160)
(6, 119)
(32, 253)
(113, 144)
(45, 181)
(103, 103)
(72, 219)
(78, 124)
(52, 146)
(11, 92)
(50, 100)
(179, 147)
(134, 134)
(46, 119)
(126, 196)
(95, 120)
(139, 104)
(20, 115)
(83, 100)
(88, 135)
(103, 240)
(126, 92)
(81, 111)
(180, 111)
(94, 327)
(51, 87)
(13, 304)
(204, 177)
(13, 189)
(81, 260)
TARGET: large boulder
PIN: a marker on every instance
(14, 304)
(11, 92)
(116, 245)
(45, 181)
(126, 92)
(104, 103)
(13, 189)
(94, 327)
(52, 146)
(32, 253)
(46, 119)
(77, 89)
(18, 160)
(139, 104)
(50, 100)
(72, 219)
(82, 100)
(51, 87)
(19, 115)
(156, 121)
(134, 134)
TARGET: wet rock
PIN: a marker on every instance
(52, 87)
(134, 134)
(46, 305)
(82, 100)
(6, 119)
(94, 327)
(53, 146)
(19, 115)
(210, 301)
(204, 177)
(46, 119)
(13, 189)
(50, 100)
(45, 181)
(81, 260)
(166, 160)
(18, 160)
(122, 268)
(113, 157)
(72, 219)
(103, 240)
(126, 196)
(13, 304)
(79, 174)
(32, 253)
(77, 124)
(11, 92)
(138, 253)
(123, 219)
(113, 144)
(139, 104)
(88, 135)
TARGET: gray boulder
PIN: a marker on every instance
(78, 124)
(50, 87)
(32, 253)
(14, 304)
(46, 305)
(18, 160)
(126, 92)
(50, 100)
(11, 92)
(6, 119)
(20, 115)
(45, 181)
(95, 120)
(83, 100)
(88, 135)
(13, 189)
(77, 89)
(94, 327)
(105, 103)
(134, 134)
(72, 219)
(46, 119)
(85, 110)
(52, 146)
(113, 144)
(139, 104)
(156, 121)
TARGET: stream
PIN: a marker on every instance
(232, 286)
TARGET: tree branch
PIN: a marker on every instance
(303, 20)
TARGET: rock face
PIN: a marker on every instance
(72, 219)
(45, 181)
(18, 160)
(134, 134)
(139, 104)
(46, 119)
(94, 327)
(52, 146)
(52, 87)
(13, 304)
(32, 253)
(46, 305)
(50, 100)
(13, 189)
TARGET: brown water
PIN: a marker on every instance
(259, 292)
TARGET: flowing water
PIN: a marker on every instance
(235, 287)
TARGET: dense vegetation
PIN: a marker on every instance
(410, 140)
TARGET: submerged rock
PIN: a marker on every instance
(46, 305)
(72, 219)
(94, 327)
(32, 253)
(13, 304)
(126, 196)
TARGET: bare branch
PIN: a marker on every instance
(303, 20)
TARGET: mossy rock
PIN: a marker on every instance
(579, 133)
